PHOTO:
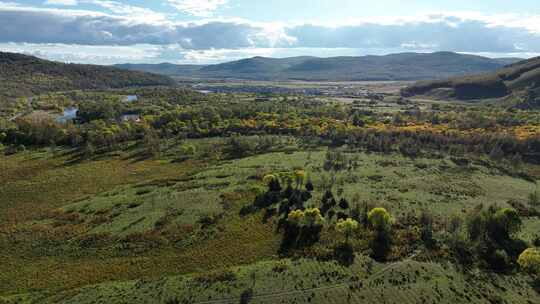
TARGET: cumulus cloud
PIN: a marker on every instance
(102, 29)
(128, 11)
(200, 8)
(214, 39)
(61, 2)
(101, 54)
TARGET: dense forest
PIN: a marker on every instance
(519, 81)
(403, 66)
(22, 75)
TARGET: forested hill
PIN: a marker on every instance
(22, 75)
(403, 66)
(520, 80)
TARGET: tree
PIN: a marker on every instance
(516, 160)
(381, 222)
(188, 150)
(309, 186)
(313, 217)
(89, 150)
(239, 147)
(357, 121)
(380, 219)
(534, 198)
(296, 217)
(496, 153)
(299, 177)
(343, 203)
(246, 296)
(304, 227)
(493, 231)
(273, 183)
(151, 143)
(509, 221)
(426, 229)
(347, 227)
(529, 261)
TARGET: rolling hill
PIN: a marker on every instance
(22, 75)
(403, 66)
(520, 81)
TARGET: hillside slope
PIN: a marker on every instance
(520, 80)
(404, 66)
(22, 75)
(308, 281)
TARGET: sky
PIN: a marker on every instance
(213, 31)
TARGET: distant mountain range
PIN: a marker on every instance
(403, 66)
(22, 75)
(519, 81)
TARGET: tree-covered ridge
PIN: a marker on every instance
(403, 66)
(519, 82)
(22, 75)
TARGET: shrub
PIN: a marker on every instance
(246, 296)
(216, 277)
(309, 186)
(347, 227)
(506, 222)
(344, 254)
(188, 150)
(343, 203)
(461, 248)
(280, 267)
(299, 177)
(534, 199)
(529, 260)
(426, 229)
(498, 260)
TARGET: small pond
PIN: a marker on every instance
(132, 98)
(68, 114)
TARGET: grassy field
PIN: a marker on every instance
(68, 224)
(308, 281)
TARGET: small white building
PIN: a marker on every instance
(130, 117)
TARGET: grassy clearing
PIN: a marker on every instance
(398, 183)
(34, 182)
(124, 220)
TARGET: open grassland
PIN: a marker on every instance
(34, 182)
(73, 224)
(308, 281)
(45, 246)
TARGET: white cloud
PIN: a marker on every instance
(130, 11)
(61, 2)
(155, 37)
(199, 8)
(174, 53)
(86, 54)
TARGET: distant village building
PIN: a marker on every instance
(131, 98)
(130, 118)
